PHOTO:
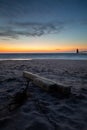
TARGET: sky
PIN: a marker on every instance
(43, 25)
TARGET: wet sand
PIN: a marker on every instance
(41, 110)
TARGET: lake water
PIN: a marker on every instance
(29, 56)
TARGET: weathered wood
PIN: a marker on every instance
(47, 84)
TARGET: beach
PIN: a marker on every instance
(42, 110)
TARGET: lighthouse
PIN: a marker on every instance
(77, 51)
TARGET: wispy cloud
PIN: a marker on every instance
(21, 12)
(17, 29)
(14, 30)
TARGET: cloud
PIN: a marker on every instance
(14, 30)
(20, 12)
(17, 29)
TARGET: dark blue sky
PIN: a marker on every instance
(56, 18)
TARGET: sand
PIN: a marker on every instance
(42, 110)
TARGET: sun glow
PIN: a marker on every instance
(38, 48)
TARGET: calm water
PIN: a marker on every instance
(29, 56)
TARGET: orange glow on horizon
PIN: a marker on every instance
(16, 48)
(37, 51)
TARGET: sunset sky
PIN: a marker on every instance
(43, 25)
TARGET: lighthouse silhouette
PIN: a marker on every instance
(77, 50)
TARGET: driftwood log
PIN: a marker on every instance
(47, 84)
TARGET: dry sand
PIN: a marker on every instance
(41, 110)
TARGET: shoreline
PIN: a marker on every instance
(33, 56)
(42, 59)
